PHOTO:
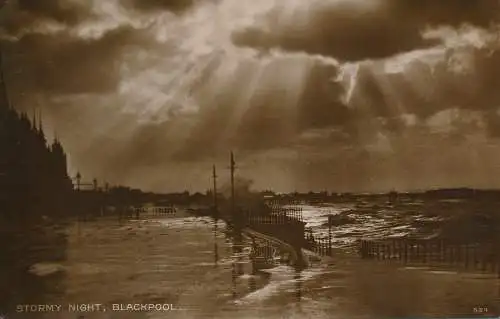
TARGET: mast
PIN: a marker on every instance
(214, 176)
(237, 223)
(233, 167)
(216, 216)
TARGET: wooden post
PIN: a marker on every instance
(330, 222)
(474, 251)
(232, 168)
(216, 209)
(400, 250)
(452, 255)
(429, 251)
(495, 259)
(393, 249)
(435, 250)
(405, 243)
(466, 256)
(483, 260)
(443, 257)
(78, 180)
(498, 262)
(418, 251)
(424, 251)
(415, 251)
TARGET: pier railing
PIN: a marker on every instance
(473, 256)
(319, 245)
(161, 210)
(278, 219)
(283, 223)
(264, 255)
(290, 212)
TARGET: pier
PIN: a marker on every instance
(281, 223)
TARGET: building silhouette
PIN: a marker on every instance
(33, 171)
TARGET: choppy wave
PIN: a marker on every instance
(457, 220)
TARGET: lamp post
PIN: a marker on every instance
(330, 222)
(78, 180)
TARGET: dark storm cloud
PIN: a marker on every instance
(169, 5)
(320, 105)
(314, 126)
(490, 93)
(469, 94)
(387, 96)
(67, 12)
(425, 92)
(351, 38)
(350, 33)
(62, 64)
(268, 122)
(447, 12)
(269, 119)
(24, 14)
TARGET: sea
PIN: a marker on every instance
(183, 266)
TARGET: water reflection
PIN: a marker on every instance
(298, 284)
(257, 263)
(31, 256)
(216, 247)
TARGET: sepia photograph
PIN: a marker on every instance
(274, 159)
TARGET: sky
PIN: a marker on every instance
(336, 95)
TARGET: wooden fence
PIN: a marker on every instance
(155, 210)
(320, 245)
(270, 219)
(484, 257)
(283, 223)
(163, 210)
(292, 212)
